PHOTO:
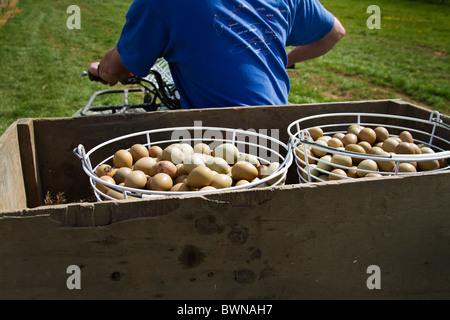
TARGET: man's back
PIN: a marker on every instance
(222, 53)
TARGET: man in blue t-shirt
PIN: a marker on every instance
(221, 53)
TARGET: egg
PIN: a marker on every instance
(318, 152)
(315, 133)
(404, 148)
(357, 149)
(180, 187)
(185, 148)
(300, 153)
(367, 146)
(381, 134)
(350, 138)
(249, 158)
(385, 164)
(138, 151)
(155, 151)
(103, 188)
(145, 164)
(339, 135)
(192, 161)
(115, 194)
(121, 174)
(367, 134)
(406, 167)
(218, 165)
(180, 179)
(337, 174)
(341, 160)
(173, 154)
(221, 181)
(136, 179)
(104, 170)
(200, 177)
(226, 151)
(352, 172)
(335, 143)
(202, 148)
(428, 165)
(354, 129)
(207, 188)
(122, 158)
(406, 136)
(390, 144)
(324, 163)
(167, 167)
(243, 170)
(366, 165)
(160, 182)
(265, 171)
(325, 138)
(242, 183)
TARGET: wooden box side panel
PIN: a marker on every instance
(297, 242)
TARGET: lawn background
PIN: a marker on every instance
(408, 58)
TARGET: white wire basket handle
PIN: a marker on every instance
(264, 148)
(313, 166)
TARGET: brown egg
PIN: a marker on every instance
(385, 165)
(138, 151)
(180, 187)
(337, 174)
(145, 164)
(390, 144)
(243, 170)
(339, 135)
(352, 172)
(406, 167)
(249, 158)
(315, 133)
(350, 138)
(265, 171)
(374, 150)
(202, 148)
(115, 194)
(227, 151)
(104, 170)
(218, 164)
(318, 152)
(367, 134)
(192, 161)
(367, 146)
(221, 181)
(167, 167)
(155, 151)
(121, 174)
(381, 134)
(103, 188)
(404, 148)
(173, 154)
(300, 152)
(207, 188)
(428, 165)
(180, 179)
(342, 160)
(242, 182)
(366, 165)
(200, 177)
(335, 143)
(160, 182)
(354, 129)
(136, 179)
(357, 149)
(406, 136)
(122, 158)
(416, 148)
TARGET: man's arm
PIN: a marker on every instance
(318, 48)
(110, 68)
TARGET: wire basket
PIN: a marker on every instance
(320, 157)
(262, 149)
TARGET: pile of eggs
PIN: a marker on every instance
(180, 167)
(325, 165)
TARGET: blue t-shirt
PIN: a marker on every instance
(222, 52)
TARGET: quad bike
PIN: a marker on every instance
(157, 87)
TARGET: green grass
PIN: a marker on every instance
(407, 58)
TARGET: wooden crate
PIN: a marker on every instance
(298, 241)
